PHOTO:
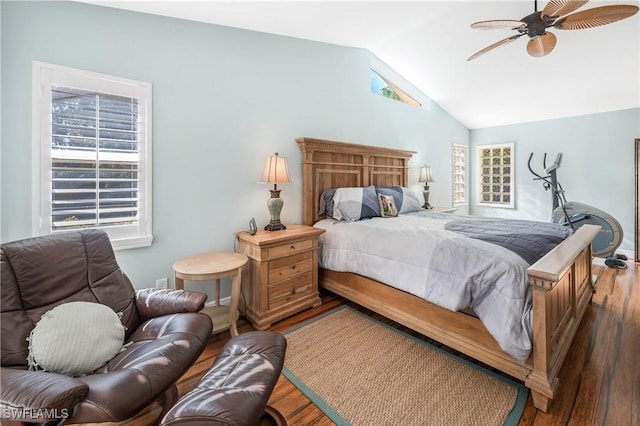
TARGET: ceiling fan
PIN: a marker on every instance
(556, 14)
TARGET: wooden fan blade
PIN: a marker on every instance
(494, 45)
(541, 46)
(595, 17)
(498, 24)
(562, 7)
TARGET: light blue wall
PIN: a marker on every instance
(597, 166)
(224, 99)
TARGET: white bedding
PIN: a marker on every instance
(414, 253)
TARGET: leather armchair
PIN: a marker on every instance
(164, 336)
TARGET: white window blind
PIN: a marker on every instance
(459, 174)
(496, 187)
(94, 145)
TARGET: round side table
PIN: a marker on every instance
(214, 266)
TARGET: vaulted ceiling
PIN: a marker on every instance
(428, 42)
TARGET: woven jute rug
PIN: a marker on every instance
(362, 372)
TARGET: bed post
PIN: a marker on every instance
(308, 203)
(560, 295)
(541, 383)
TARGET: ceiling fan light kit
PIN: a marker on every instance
(542, 45)
(557, 14)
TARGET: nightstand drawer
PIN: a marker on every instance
(290, 266)
(290, 290)
(287, 249)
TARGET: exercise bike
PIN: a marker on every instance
(575, 214)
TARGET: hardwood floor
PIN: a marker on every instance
(599, 381)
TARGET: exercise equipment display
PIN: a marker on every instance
(575, 214)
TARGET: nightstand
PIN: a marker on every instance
(281, 277)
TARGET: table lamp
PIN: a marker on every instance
(426, 177)
(275, 172)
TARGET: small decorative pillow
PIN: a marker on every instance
(75, 339)
(351, 204)
(405, 199)
(387, 206)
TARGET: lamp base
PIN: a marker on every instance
(275, 204)
(426, 204)
(275, 226)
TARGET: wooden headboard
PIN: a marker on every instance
(329, 164)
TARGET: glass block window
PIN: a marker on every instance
(496, 187)
(459, 174)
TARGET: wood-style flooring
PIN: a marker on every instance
(599, 381)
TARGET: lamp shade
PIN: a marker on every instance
(425, 174)
(275, 170)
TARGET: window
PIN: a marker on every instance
(496, 175)
(92, 154)
(382, 86)
(459, 174)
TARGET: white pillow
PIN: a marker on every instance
(75, 339)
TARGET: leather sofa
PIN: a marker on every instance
(236, 389)
(164, 333)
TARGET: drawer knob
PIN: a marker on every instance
(293, 247)
(293, 291)
(293, 267)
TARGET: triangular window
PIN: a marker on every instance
(382, 86)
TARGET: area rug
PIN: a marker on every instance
(360, 371)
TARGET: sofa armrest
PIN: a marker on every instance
(37, 396)
(152, 303)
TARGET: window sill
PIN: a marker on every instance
(497, 206)
(131, 243)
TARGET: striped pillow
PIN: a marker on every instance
(350, 204)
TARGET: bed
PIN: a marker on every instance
(561, 281)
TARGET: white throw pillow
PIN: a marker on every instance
(75, 339)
